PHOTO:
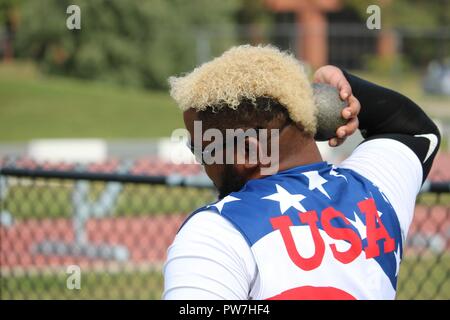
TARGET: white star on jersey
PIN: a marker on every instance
(397, 260)
(219, 205)
(360, 226)
(316, 182)
(333, 172)
(286, 199)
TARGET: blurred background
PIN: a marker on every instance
(85, 118)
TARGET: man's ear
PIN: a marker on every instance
(247, 158)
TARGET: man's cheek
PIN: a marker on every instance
(214, 175)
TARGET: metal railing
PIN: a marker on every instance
(116, 227)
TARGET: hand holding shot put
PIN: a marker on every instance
(331, 112)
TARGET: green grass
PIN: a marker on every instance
(36, 106)
(94, 285)
(53, 199)
(424, 278)
(420, 278)
(433, 199)
(33, 106)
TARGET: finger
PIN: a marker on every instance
(352, 109)
(344, 88)
(347, 113)
(334, 142)
(341, 132)
(354, 105)
(344, 94)
(345, 91)
(318, 78)
(340, 141)
(350, 128)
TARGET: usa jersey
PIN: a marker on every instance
(317, 232)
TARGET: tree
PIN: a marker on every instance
(423, 23)
(128, 42)
(407, 13)
(8, 20)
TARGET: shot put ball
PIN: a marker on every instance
(329, 111)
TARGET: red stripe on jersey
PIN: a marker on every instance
(313, 293)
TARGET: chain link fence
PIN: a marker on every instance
(99, 233)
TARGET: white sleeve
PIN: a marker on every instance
(209, 259)
(394, 169)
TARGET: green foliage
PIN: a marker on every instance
(127, 42)
(417, 17)
(7, 8)
(253, 11)
(407, 13)
(419, 278)
(146, 285)
(387, 65)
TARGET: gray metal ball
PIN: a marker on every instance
(329, 111)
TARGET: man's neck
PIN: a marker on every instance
(308, 153)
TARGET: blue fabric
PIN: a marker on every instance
(251, 214)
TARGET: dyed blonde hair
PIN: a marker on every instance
(248, 72)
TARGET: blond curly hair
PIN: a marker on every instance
(248, 72)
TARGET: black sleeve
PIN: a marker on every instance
(388, 114)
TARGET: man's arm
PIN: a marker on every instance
(388, 114)
(208, 260)
(400, 142)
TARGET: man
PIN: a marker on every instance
(310, 230)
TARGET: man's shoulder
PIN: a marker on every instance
(206, 223)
